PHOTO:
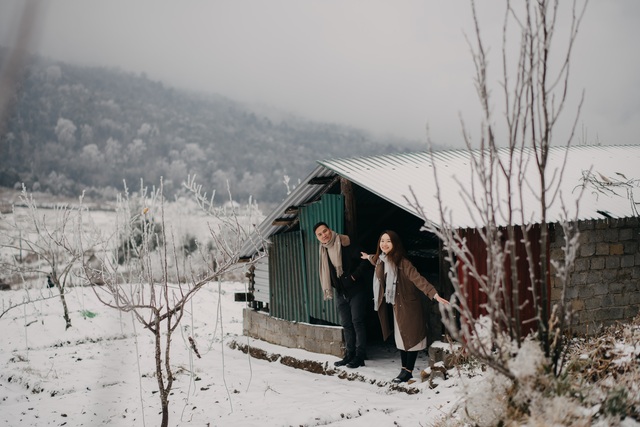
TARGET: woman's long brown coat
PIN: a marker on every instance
(408, 305)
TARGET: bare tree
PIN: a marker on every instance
(512, 161)
(52, 243)
(149, 281)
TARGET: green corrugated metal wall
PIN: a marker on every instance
(329, 209)
(286, 276)
(294, 285)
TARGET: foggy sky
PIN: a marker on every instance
(384, 66)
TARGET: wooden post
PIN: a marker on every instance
(346, 188)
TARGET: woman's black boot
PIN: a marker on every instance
(404, 376)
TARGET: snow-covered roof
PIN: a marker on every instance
(414, 181)
(408, 180)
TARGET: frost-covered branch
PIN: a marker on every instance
(509, 169)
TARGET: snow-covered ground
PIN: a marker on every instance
(101, 372)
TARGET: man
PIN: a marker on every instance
(345, 274)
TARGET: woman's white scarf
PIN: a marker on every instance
(391, 274)
(332, 250)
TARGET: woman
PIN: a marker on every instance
(397, 282)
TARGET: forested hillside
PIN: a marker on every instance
(74, 129)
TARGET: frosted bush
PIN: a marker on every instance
(557, 411)
(485, 402)
(528, 361)
(487, 336)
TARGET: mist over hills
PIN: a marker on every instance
(75, 128)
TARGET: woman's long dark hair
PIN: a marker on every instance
(397, 253)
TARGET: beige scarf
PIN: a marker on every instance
(332, 250)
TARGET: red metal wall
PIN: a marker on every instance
(476, 298)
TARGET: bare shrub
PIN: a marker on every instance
(503, 170)
(508, 169)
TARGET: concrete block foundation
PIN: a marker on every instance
(316, 338)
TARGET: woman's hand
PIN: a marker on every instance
(441, 300)
(364, 255)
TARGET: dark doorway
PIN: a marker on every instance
(375, 215)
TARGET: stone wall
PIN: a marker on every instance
(315, 338)
(605, 284)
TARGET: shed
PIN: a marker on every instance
(365, 195)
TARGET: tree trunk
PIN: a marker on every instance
(165, 414)
(163, 392)
(65, 309)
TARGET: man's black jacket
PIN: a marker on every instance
(352, 266)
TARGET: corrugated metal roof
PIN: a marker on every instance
(300, 195)
(394, 177)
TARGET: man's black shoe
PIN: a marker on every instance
(344, 361)
(356, 362)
